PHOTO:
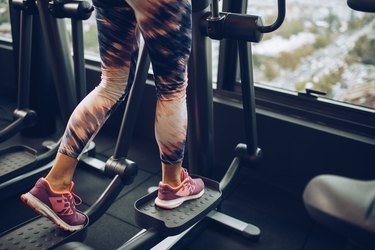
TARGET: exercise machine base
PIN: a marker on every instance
(15, 161)
(38, 233)
(174, 221)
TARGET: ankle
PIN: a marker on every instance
(172, 183)
(171, 174)
(58, 185)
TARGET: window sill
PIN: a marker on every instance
(357, 123)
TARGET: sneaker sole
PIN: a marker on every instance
(170, 204)
(47, 212)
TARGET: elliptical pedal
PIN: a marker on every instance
(174, 221)
(15, 161)
(38, 233)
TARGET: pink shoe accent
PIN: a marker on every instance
(169, 197)
(61, 205)
(186, 189)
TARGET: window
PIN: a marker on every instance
(322, 45)
(91, 37)
(5, 28)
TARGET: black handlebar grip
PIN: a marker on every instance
(80, 10)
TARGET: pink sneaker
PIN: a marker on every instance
(172, 197)
(58, 207)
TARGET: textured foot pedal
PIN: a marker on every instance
(15, 161)
(174, 221)
(39, 233)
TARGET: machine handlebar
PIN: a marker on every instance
(240, 26)
(75, 9)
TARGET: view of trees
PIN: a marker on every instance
(4, 19)
(316, 52)
(363, 51)
(290, 60)
(91, 39)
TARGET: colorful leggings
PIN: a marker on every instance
(166, 28)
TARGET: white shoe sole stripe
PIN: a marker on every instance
(176, 202)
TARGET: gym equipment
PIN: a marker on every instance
(343, 204)
(24, 15)
(24, 117)
(183, 221)
(243, 29)
(362, 5)
(20, 159)
(159, 223)
(22, 164)
(40, 232)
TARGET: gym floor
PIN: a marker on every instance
(281, 216)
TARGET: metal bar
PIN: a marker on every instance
(79, 59)
(279, 20)
(248, 98)
(11, 129)
(230, 174)
(170, 241)
(200, 104)
(228, 55)
(96, 210)
(245, 229)
(60, 59)
(215, 8)
(132, 106)
(15, 24)
(24, 60)
(143, 240)
(93, 162)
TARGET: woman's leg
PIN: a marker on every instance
(166, 29)
(53, 196)
(117, 40)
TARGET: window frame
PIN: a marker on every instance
(311, 108)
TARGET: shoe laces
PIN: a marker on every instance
(74, 195)
(184, 174)
(75, 198)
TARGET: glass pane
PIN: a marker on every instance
(322, 45)
(5, 30)
(91, 36)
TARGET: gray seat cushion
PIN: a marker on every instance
(343, 204)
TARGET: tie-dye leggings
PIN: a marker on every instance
(166, 28)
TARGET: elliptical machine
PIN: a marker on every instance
(22, 165)
(190, 217)
(39, 232)
(167, 228)
(159, 224)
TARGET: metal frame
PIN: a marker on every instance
(200, 105)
